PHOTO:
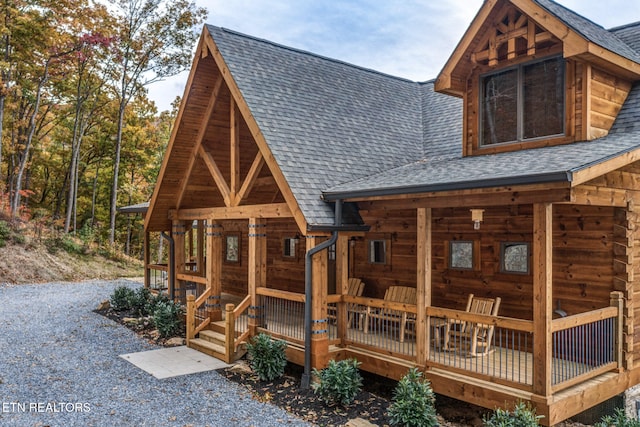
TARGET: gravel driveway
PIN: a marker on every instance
(59, 366)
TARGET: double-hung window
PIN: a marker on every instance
(523, 103)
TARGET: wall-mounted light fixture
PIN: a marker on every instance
(477, 217)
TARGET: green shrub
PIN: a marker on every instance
(339, 382)
(523, 415)
(139, 301)
(154, 300)
(267, 357)
(167, 318)
(121, 298)
(5, 233)
(619, 419)
(413, 402)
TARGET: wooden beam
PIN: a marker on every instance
(250, 179)
(216, 174)
(605, 167)
(470, 198)
(257, 269)
(598, 196)
(257, 134)
(542, 297)
(319, 282)
(273, 210)
(213, 100)
(423, 285)
(234, 128)
(444, 81)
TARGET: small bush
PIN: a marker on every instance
(5, 233)
(413, 402)
(523, 415)
(121, 298)
(339, 382)
(619, 419)
(167, 318)
(267, 357)
(154, 300)
(139, 301)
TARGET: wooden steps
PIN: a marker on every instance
(213, 342)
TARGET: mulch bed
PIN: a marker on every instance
(371, 403)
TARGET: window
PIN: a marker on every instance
(514, 257)
(377, 251)
(523, 103)
(461, 255)
(290, 246)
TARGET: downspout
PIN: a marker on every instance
(171, 264)
(308, 294)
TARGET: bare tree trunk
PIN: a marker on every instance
(15, 204)
(116, 171)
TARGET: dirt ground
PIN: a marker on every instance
(33, 263)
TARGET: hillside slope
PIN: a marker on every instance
(34, 263)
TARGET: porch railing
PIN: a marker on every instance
(585, 345)
(197, 315)
(236, 326)
(158, 276)
(282, 314)
(503, 346)
(382, 333)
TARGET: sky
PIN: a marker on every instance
(405, 38)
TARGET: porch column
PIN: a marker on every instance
(319, 284)
(213, 267)
(542, 297)
(342, 277)
(257, 270)
(423, 285)
(200, 266)
(178, 234)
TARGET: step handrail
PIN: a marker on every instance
(194, 304)
(232, 313)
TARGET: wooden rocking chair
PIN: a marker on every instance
(397, 294)
(475, 336)
(355, 289)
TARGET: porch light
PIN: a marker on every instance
(476, 217)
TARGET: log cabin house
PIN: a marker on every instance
(513, 176)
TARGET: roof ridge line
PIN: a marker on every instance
(309, 53)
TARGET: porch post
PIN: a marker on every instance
(213, 268)
(178, 234)
(542, 297)
(342, 277)
(200, 262)
(319, 331)
(257, 270)
(423, 284)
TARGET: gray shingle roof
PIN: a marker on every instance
(336, 129)
(325, 121)
(590, 30)
(548, 164)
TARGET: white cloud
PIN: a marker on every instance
(408, 38)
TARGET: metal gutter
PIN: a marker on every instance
(305, 381)
(562, 176)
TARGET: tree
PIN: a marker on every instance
(155, 41)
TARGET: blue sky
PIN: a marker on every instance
(406, 38)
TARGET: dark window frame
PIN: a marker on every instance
(520, 102)
(504, 246)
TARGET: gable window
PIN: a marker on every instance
(523, 103)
